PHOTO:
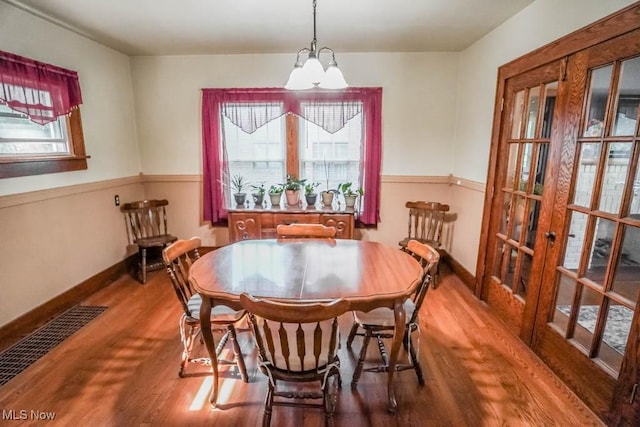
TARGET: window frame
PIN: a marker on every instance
(38, 164)
(213, 100)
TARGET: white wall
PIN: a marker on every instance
(542, 22)
(60, 229)
(107, 110)
(419, 96)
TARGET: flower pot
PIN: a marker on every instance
(293, 197)
(327, 198)
(311, 199)
(275, 198)
(350, 200)
(258, 199)
(240, 198)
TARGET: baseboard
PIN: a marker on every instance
(22, 326)
(465, 275)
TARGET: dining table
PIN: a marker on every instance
(367, 274)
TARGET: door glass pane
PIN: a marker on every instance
(526, 166)
(575, 240)
(511, 266)
(566, 290)
(587, 317)
(532, 112)
(504, 221)
(532, 225)
(635, 199)
(541, 168)
(614, 339)
(517, 115)
(589, 154)
(498, 259)
(550, 93)
(626, 281)
(615, 177)
(518, 218)
(513, 163)
(628, 98)
(600, 82)
(525, 272)
(601, 250)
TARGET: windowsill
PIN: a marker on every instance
(11, 168)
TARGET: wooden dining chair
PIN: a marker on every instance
(178, 258)
(317, 231)
(426, 220)
(380, 322)
(297, 343)
(147, 228)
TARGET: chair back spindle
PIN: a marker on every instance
(426, 220)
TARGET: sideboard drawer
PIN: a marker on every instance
(295, 218)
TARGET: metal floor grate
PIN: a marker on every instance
(21, 355)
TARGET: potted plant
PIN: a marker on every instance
(275, 194)
(350, 196)
(258, 193)
(310, 193)
(238, 184)
(292, 189)
(327, 195)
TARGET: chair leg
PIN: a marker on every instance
(330, 397)
(363, 354)
(436, 276)
(268, 406)
(415, 362)
(352, 334)
(237, 351)
(188, 340)
(143, 264)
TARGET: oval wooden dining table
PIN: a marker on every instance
(367, 274)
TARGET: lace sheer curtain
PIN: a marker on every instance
(42, 91)
(328, 109)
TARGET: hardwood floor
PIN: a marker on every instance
(121, 369)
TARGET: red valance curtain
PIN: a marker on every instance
(271, 103)
(42, 91)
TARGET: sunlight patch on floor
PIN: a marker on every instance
(202, 397)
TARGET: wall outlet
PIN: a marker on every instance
(116, 199)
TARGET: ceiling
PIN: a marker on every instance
(186, 27)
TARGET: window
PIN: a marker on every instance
(331, 158)
(260, 157)
(40, 125)
(264, 135)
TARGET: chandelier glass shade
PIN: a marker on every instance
(311, 73)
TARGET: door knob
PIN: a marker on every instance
(551, 237)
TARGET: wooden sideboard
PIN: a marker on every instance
(245, 224)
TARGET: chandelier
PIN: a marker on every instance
(311, 73)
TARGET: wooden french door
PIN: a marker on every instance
(561, 263)
(591, 280)
(517, 244)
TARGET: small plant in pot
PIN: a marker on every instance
(275, 194)
(258, 193)
(238, 184)
(310, 193)
(292, 189)
(327, 195)
(350, 196)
